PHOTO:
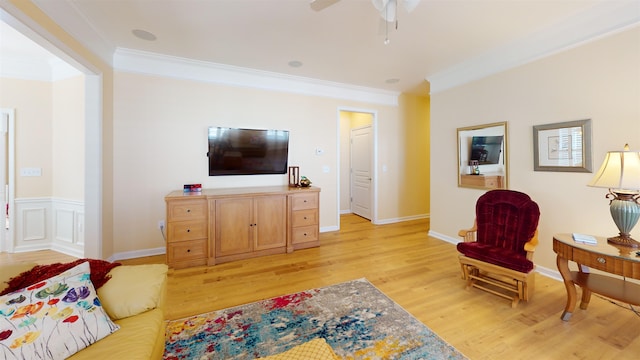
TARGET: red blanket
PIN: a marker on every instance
(99, 274)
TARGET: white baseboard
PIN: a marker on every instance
(401, 219)
(392, 220)
(69, 250)
(137, 254)
(329, 228)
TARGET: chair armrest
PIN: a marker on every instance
(469, 235)
(530, 246)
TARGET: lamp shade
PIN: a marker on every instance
(620, 171)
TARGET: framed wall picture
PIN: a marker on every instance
(564, 146)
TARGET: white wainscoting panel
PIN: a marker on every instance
(33, 224)
(68, 220)
(49, 224)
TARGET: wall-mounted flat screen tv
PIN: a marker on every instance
(247, 151)
(486, 149)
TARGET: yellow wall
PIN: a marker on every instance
(49, 132)
(68, 137)
(598, 80)
(33, 103)
(415, 161)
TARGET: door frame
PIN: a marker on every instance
(374, 170)
(7, 241)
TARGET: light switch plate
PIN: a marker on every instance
(30, 171)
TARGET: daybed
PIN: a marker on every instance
(133, 298)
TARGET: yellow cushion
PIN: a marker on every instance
(140, 337)
(133, 289)
(316, 349)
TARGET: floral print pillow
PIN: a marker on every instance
(53, 319)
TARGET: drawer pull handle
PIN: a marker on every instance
(188, 230)
(188, 250)
(305, 234)
(602, 260)
(188, 210)
(305, 201)
(305, 218)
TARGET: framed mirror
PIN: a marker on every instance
(483, 161)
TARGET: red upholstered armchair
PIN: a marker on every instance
(496, 254)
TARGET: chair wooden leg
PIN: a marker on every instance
(465, 274)
(472, 274)
(531, 286)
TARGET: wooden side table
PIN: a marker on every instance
(613, 259)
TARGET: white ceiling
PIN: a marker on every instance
(344, 43)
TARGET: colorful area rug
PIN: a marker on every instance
(355, 318)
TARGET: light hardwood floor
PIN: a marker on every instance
(423, 276)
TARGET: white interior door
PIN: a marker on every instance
(361, 170)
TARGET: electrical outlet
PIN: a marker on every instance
(160, 224)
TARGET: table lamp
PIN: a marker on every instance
(620, 173)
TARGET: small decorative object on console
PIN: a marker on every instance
(474, 167)
(305, 182)
(192, 188)
(294, 176)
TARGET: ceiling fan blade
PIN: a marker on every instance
(388, 10)
(319, 5)
(409, 5)
(379, 4)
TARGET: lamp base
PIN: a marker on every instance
(624, 240)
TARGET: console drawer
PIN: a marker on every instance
(597, 261)
(187, 250)
(186, 230)
(304, 201)
(186, 210)
(304, 217)
(304, 234)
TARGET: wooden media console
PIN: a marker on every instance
(220, 225)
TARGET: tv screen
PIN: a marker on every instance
(247, 151)
(486, 149)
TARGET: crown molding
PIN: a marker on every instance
(603, 19)
(142, 62)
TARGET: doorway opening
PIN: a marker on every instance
(357, 162)
(92, 110)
